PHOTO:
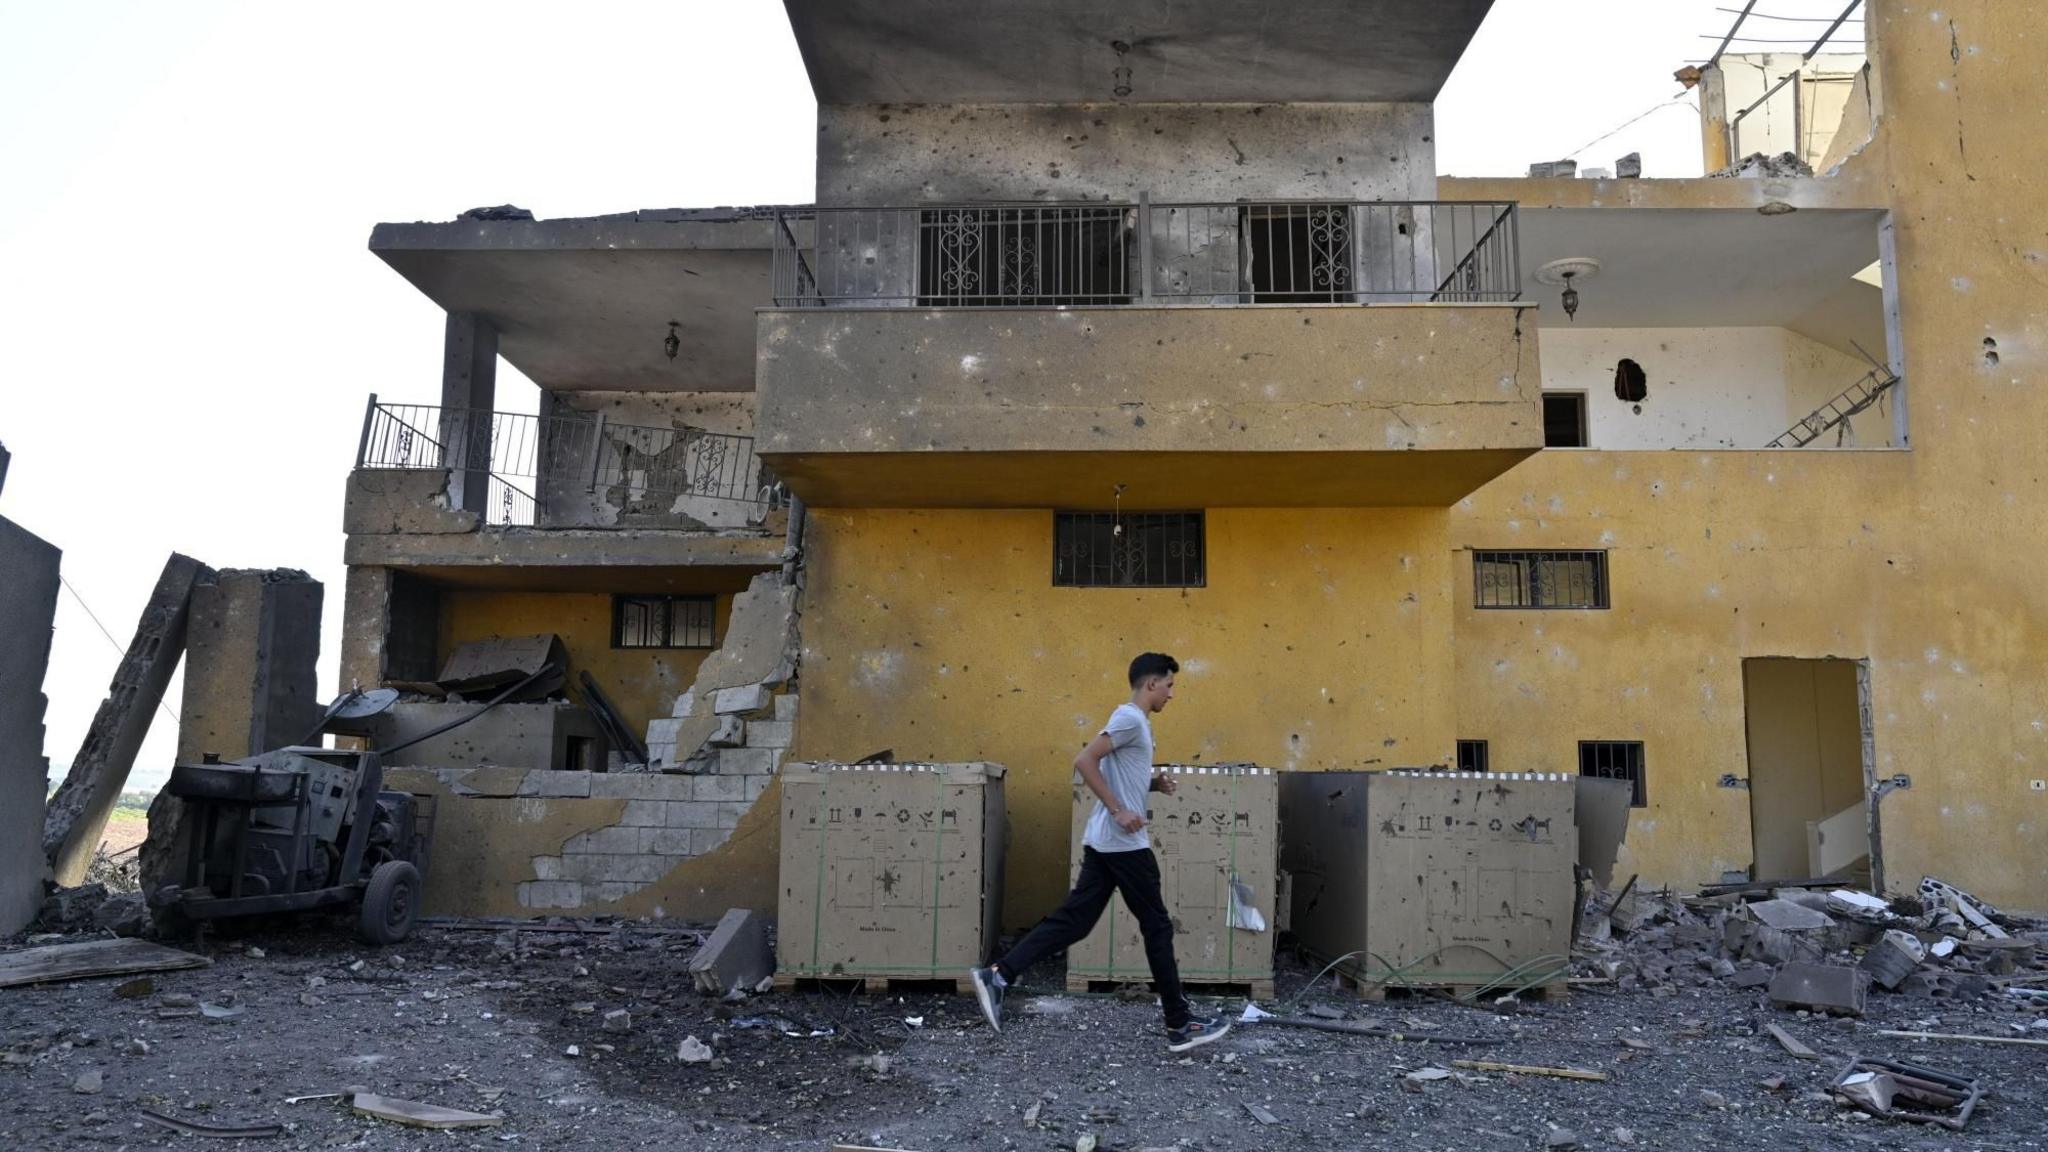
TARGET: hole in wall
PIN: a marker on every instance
(1990, 352)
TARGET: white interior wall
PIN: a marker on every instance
(1709, 387)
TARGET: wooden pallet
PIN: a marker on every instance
(1554, 990)
(875, 985)
(1251, 989)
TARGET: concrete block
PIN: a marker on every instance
(736, 956)
(730, 811)
(662, 731)
(660, 757)
(574, 785)
(615, 839)
(785, 707)
(694, 814)
(638, 786)
(1832, 988)
(641, 868)
(645, 814)
(719, 787)
(747, 698)
(612, 890)
(1893, 958)
(749, 761)
(547, 868)
(583, 866)
(1786, 916)
(660, 842)
(731, 732)
(551, 894)
(705, 840)
(771, 733)
(756, 785)
(684, 704)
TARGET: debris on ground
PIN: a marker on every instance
(693, 1051)
(1529, 1070)
(1756, 165)
(1895, 1091)
(418, 1115)
(87, 958)
(737, 955)
(192, 1128)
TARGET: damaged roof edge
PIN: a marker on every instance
(676, 229)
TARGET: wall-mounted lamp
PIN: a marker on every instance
(1567, 273)
(673, 343)
(1122, 75)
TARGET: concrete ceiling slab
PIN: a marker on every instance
(1181, 51)
(1712, 268)
(585, 304)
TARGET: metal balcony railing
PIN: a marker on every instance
(528, 461)
(1107, 254)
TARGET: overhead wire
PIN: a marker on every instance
(90, 615)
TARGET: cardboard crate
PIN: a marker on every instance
(889, 870)
(1219, 821)
(1433, 878)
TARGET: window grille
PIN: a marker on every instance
(1472, 756)
(1298, 253)
(1615, 760)
(1129, 550)
(663, 621)
(1539, 579)
(1023, 256)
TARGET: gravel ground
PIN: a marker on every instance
(515, 1023)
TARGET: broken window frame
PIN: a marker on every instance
(1617, 760)
(1152, 550)
(1473, 756)
(682, 622)
(1540, 579)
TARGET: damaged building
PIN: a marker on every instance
(1095, 342)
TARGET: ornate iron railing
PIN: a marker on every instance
(1105, 254)
(529, 461)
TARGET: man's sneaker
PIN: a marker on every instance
(990, 993)
(1195, 1033)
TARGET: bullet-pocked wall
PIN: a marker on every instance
(1320, 639)
(642, 682)
(905, 154)
(1919, 562)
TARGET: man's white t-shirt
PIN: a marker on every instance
(1128, 771)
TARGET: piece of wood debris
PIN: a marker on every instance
(421, 1115)
(54, 962)
(1790, 1043)
(1262, 1114)
(226, 1132)
(1965, 1037)
(1529, 1070)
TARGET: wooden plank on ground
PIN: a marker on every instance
(89, 958)
(421, 1115)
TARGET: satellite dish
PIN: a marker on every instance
(362, 705)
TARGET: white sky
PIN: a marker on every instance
(190, 320)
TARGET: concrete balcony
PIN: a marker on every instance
(1335, 404)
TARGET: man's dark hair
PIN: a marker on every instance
(1150, 664)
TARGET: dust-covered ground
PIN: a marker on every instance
(515, 1023)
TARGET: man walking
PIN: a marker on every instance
(1116, 857)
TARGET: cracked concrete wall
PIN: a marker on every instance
(383, 501)
(28, 607)
(641, 466)
(510, 842)
(897, 154)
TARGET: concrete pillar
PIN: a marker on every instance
(1714, 143)
(469, 385)
(28, 605)
(251, 652)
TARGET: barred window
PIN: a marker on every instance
(1472, 756)
(1023, 256)
(663, 621)
(1615, 760)
(1130, 550)
(1539, 579)
(1298, 253)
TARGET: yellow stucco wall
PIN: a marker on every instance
(642, 682)
(1321, 640)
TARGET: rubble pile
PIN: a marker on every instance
(93, 908)
(1818, 949)
(1756, 166)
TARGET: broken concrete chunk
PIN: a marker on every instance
(417, 1115)
(88, 1083)
(483, 668)
(1546, 168)
(1832, 988)
(1629, 167)
(746, 698)
(1853, 902)
(618, 1020)
(731, 732)
(1893, 958)
(736, 956)
(693, 1051)
(1786, 916)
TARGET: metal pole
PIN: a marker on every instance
(1145, 245)
(1732, 30)
(363, 445)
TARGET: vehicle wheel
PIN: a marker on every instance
(390, 904)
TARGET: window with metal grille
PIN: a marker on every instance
(1298, 253)
(1539, 579)
(989, 257)
(1615, 760)
(1564, 420)
(663, 621)
(1471, 755)
(1131, 550)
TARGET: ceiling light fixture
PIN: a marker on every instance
(1122, 75)
(1567, 273)
(673, 343)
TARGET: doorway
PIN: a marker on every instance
(1808, 772)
